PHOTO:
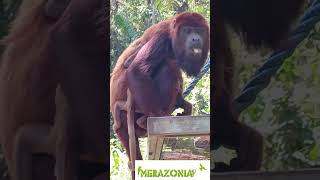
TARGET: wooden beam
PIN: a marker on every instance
(179, 126)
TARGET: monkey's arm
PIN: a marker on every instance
(150, 55)
(182, 103)
(28, 140)
(140, 74)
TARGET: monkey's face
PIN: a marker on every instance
(193, 40)
(191, 48)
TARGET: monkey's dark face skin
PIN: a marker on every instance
(192, 52)
(193, 40)
(191, 44)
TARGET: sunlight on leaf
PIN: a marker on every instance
(224, 155)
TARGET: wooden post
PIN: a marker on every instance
(155, 144)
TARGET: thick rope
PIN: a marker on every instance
(262, 77)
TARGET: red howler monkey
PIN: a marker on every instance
(150, 68)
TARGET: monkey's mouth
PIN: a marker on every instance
(196, 51)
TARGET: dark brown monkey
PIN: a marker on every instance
(45, 138)
(261, 23)
(42, 52)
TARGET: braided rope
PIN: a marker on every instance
(262, 77)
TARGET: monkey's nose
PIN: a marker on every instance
(196, 42)
(195, 39)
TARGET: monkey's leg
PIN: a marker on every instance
(29, 139)
(119, 106)
(122, 106)
(63, 134)
(66, 151)
(132, 149)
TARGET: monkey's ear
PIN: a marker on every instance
(174, 23)
(55, 8)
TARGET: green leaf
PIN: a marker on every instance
(315, 152)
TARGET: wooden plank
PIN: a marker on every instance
(155, 144)
(306, 174)
(179, 126)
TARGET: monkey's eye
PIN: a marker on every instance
(186, 30)
(201, 30)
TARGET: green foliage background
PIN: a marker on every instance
(287, 112)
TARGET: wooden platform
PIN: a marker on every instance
(302, 174)
(174, 126)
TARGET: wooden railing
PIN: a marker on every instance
(174, 126)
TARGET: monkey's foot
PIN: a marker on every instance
(142, 122)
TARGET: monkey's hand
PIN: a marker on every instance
(185, 105)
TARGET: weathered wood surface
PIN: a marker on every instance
(155, 144)
(161, 127)
(179, 126)
(303, 174)
(181, 156)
